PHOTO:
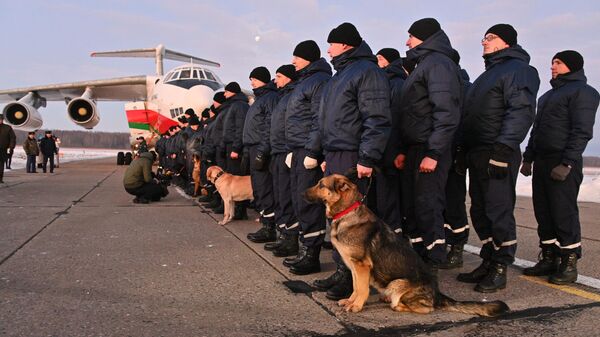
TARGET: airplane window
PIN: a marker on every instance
(185, 74)
(195, 74)
(210, 76)
(175, 76)
(168, 77)
(201, 74)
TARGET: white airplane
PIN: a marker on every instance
(153, 102)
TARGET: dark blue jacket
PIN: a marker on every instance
(277, 134)
(564, 123)
(213, 140)
(431, 97)
(235, 109)
(397, 76)
(302, 113)
(355, 107)
(500, 104)
(258, 119)
(160, 146)
(48, 146)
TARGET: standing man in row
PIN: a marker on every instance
(563, 127)
(32, 150)
(354, 124)
(7, 144)
(304, 154)
(499, 110)
(256, 140)
(431, 101)
(48, 149)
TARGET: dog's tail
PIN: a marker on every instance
(488, 309)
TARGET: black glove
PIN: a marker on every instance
(526, 169)
(460, 162)
(244, 163)
(560, 172)
(11, 151)
(259, 162)
(498, 163)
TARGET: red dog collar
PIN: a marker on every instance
(347, 210)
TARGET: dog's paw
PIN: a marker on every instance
(344, 302)
(353, 307)
(222, 222)
(385, 299)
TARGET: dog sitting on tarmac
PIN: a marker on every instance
(377, 257)
(231, 188)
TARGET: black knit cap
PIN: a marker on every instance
(194, 120)
(182, 119)
(287, 70)
(206, 113)
(233, 87)
(571, 59)
(190, 112)
(31, 133)
(261, 73)
(345, 33)
(48, 132)
(505, 31)
(219, 97)
(308, 50)
(424, 28)
(390, 54)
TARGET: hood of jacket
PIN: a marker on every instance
(362, 52)
(317, 66)
(395, 69)
(438, 42)
(265, 89)
(561, 80)
(514, 52)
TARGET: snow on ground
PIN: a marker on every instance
(66, 155)
(589, 191)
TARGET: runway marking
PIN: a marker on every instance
(581, 279)
(567, 289)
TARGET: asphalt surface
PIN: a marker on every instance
(78, 258)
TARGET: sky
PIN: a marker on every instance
(46, 42)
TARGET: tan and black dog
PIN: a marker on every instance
(196, 174)
(377, 257)
(231, 188)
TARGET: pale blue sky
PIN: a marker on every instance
(50, 41)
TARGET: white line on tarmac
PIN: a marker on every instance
(581, 279)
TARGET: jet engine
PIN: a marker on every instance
(83, 111)
(23, 114)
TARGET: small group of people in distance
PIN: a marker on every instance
(412, 127)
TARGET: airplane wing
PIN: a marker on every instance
(115, 89)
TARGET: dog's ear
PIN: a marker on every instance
(341, 185)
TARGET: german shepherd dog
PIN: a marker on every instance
(377, 257)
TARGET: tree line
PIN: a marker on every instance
(85, 139)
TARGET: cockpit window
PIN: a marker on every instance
(169, 76)
(185, 74)
(210, 76)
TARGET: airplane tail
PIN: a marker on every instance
(159, 53)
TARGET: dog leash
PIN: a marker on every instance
(362, 200)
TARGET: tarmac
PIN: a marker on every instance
(78, 258)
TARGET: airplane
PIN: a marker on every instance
(153, 103)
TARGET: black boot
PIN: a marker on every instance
(290, 261)
(454, 259)
(216, 201)
(289, 247)
(494, 280)
(476, 275)
(240, 213)
(309, 264)
(342, 289)
(333, 279)
(270, 246)
(547, 264)
(265, 234)
(567, 271)
(219, 209)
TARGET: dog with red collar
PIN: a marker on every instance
(377, 257)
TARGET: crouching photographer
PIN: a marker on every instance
(139, 180)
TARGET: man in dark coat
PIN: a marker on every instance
(301, 136)
(354, 124)
(431, 101)
(285, 217)
(387, 182)
(257, 127)
(455, 212)
(499, 110)
(48, 149)
(32, 150)
(7, 144)
(213, 149)
(235, 109)
(138, 180)
(563, 126)
(160, 148)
